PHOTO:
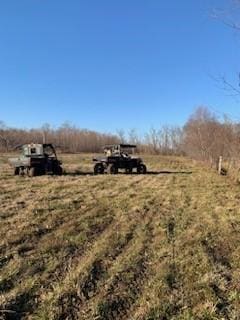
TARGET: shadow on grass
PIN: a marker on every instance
(90, 173)
(78, 173)
(169, 172)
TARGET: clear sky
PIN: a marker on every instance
(111, 64)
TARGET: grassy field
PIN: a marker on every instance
(165, 245)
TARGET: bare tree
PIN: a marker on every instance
(152, 140)
(4, 140)
(121, 135)
(200, 135)
(133, 137)
(229, 16)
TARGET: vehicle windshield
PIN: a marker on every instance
(48, 151)
(32, 150)
(127, 151)
(118, 151)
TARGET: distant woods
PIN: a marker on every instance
(67, 138)
(204, 137)
(71, 139)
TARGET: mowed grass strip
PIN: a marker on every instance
(160, 246)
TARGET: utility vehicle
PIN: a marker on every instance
(116, 157)
(36, 159)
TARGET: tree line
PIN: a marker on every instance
(69, 138)
(203, 137)
(206, 137)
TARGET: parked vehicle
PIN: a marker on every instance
(36, 159)
(116, 157)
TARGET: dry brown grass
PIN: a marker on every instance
(160, 246)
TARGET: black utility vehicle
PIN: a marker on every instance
(116, 157)
(36, 159)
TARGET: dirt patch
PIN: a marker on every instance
(218, 252)
(123, 292)
(166, 312)
(5, 260)
(89, 285)
(68, 306)
(223, 304)
(20, 306)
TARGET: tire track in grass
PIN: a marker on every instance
(171, 290)
(151, 207)
(88, 286)
(95, 271)
(162, 284)
(43, 195)
(20, 305)
(30, 240)
(126, 278)
(123, 291)
(8, 283)
(111, 254)
(217, 244)
(37, 266)
(82, 277)
(162, 297)
(181, 306)
(218, 255)
(45, 223)
(31, 212)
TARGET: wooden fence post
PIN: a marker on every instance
(220, 165)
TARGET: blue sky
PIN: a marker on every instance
(106, 65)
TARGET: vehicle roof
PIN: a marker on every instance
(38, 144)
(20, 146)
(122, 145)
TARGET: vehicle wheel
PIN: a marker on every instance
(16, 171)
(142, 169)
(112, 169)
(98, 168)
(32, 172)
(40, 172)
(128, 170)
(58, 171)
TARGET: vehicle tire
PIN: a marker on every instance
(98, 168)
(40, 172)
(112, 169)
(128, 170)
(58, 171)
(32, 172)
(142, 169)
(16, 171)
